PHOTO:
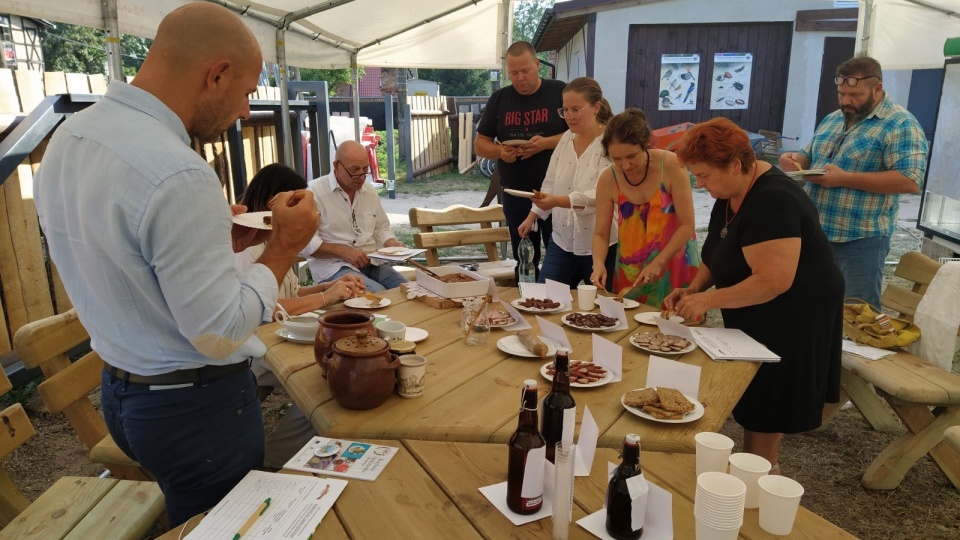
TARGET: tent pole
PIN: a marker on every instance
(287, 151)
(111, 34)
(356, 94)
(864, 23)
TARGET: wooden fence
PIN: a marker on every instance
(429, 135)
(30, 285)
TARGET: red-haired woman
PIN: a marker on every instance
(776, 279)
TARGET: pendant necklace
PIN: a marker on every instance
(726, 211)
(645, 171)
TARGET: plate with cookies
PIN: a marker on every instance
(582, 374)
(660, 343)
(255, 220)
(666, 405)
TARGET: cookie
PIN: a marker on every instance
(672, 400)
(639, 398)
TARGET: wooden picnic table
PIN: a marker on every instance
(431, 490)
(471, 392)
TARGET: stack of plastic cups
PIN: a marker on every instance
(718, 506)
(565, 458)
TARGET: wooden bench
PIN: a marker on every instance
(489, 234)
(925, 397)
(45, 344)
(74, 507)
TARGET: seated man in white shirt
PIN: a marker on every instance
(353, 224)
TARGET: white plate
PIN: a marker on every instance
(282, 332)
(514, 142)
(254, 220)
(511, 345)
(395, 251)
(518, 193)
(606, 378)
(364, 303)
(806, 172)
(602, 329)
(648, 317)
(416, 335)
(684, 350)
(516, 303)
(627, 303)
(695, 414)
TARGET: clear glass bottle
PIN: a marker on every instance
(619, 504)
(473, 322)
(527, 457)
(559, 407)
(526, 270)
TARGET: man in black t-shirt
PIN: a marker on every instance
(526, 110)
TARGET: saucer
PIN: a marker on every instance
(416, 335)
(282, 332)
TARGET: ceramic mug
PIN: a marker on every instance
(411, 375)
(391, 330)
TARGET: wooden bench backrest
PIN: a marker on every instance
(458, 214)
(15, 431)
(916, 268)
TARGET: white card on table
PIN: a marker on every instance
(658, 524)
(671, 328)
(554, 332)
(521, 323)
(559, 292)
(586, 444)
(532, 290)
(609, 355)
(612, 308)
(671, 374)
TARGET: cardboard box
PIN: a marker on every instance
(479, 287)
(662, 138)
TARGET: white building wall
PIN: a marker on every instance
(612, 33)
(572, 58)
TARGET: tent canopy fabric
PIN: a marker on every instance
(453, 34)
(907, 34)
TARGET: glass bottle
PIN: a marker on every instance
(619, 504)
(559, 408)
(526, 270)
(527, 452)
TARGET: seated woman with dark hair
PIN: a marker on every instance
(775, 278)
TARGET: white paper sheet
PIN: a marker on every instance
(532, 290)
(672, 374)
(554, 332)
(612, 308)
(497, 495)
(871, 353)
(586, 444)
(297, 505)
(671, 328)
(521, 323)
(732, 344)
(609, 355)
(658, 523)
(363, 461)
(560, 292)
(384, 257)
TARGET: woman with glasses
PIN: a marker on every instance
(657, 248)
(569, 187)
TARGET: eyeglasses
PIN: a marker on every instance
(362, 173)
(572, 112)
(851, 81)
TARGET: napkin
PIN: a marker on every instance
(497, 495)
(521, 323)
(658, 522)
(612, 308)
(560, 292)
(554, 332)
(609, 355)
(586, 444)
(671, 374)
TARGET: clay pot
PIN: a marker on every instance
(335, 325)
(361, 371)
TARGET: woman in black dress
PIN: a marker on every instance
(776, 279)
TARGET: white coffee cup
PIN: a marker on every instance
(410, 376)
(586, 296)
(749, 468)
(391, 330)
(299, 326)
(713, 451)
(779, 501)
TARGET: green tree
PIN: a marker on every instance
(79, 49)
(526, 18)
(459, 82)
(332, 76)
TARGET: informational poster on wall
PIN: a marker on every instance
(678, 82)
(730, 87)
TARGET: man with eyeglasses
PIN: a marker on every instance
(871, 150)
(526, 110)
(353, 224)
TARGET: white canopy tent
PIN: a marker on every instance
(328, 34)
(907, 34)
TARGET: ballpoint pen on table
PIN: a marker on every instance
(253, 519)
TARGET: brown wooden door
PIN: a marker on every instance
(836, 50)
(769, 43)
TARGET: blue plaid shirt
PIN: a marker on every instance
(889, 138)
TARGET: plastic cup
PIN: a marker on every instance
(707, 531)
(586, 296)
(713, 451)
(749, 468)
(779, 501)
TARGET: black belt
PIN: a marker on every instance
(181, 376)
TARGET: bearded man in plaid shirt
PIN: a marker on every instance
(871, 150)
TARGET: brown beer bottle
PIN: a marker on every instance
(525, 469)
(557, 404)
(619, 515)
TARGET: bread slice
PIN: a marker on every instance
(662, 414)
(639, 398)
(672, 400)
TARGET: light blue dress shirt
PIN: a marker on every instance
(138, 227)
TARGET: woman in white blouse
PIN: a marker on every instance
(570, 187)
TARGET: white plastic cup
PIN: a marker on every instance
(391, 330)
(713, 451)
(749, 468)
(707, 531)
(779, 501)
(586, 296)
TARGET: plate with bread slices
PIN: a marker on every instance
(666, 405)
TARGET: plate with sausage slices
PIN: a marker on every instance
(582, 374)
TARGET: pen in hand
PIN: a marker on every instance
(253, 519)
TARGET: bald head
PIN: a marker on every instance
(350, 151)
(197, 33)
(351, 166)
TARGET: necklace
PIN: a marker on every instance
(645, 171)
(726, 211)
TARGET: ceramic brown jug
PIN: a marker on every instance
(335, 325)
(361, 371)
